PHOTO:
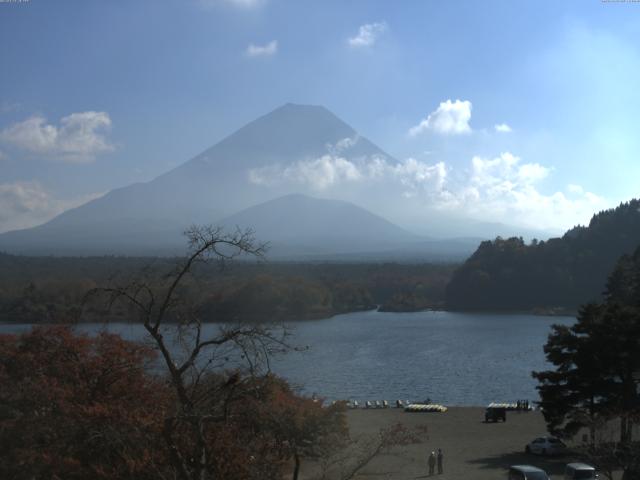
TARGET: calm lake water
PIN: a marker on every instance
(452, 358)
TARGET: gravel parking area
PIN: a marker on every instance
(472, 449)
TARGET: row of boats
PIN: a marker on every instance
(427, 406)
(408, 406)
(517, 406)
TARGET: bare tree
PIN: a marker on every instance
(348, 460)
(167, 315)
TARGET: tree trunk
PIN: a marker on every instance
(592, 424)
(624, 430)
(630, 474)
(177, 460)
(296, 469)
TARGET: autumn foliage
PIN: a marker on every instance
(78, 407)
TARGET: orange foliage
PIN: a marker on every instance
(77, 407)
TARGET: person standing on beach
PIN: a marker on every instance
(432, 462)
(440, 461)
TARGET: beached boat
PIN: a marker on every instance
(425, 407)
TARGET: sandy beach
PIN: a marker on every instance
(472, 449)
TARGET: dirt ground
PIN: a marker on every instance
(472, 449)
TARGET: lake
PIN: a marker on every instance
(452, 358)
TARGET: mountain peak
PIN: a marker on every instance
(290, 133)
(301, 106)
(291, 119)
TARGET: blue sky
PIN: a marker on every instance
(96, 95)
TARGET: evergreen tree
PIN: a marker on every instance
(597, 369)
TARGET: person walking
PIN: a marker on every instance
(440, 461)
(432, 463)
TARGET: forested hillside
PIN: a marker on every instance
(557, 275)
(50, 289)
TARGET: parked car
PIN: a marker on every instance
(580, 471)
(546, 446)
(527, 472)
(493, 414)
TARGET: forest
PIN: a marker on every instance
(554, 276)
(53, 289)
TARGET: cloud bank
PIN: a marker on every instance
(77, 139)
(27, 204)
(506, 188)
(502, 188)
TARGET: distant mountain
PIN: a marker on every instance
(508, 274)
(148, 218)
(302, 225)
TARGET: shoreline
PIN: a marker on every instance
(315, 318)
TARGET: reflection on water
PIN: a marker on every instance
(452, 358)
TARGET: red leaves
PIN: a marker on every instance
(77, 407)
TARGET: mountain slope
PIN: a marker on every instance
(297, 224)
(561, 272)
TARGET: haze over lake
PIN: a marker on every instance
(452, 358)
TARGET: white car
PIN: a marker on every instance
(546, 446)
(580, 471)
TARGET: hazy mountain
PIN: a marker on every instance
(148, 218)
(299, 224)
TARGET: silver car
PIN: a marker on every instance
(527, 472)
(546, 446)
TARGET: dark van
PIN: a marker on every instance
(493, 414)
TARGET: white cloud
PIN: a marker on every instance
(368, 34)
(3, 156)
(502, 128)
(409, 178)
(504, 189)
(572, 188)
(505, 168)
(27, 204)
(416, 176)
(346, 143)
(318, 174)
(343, 145)
(498, 189)
(78, 138)
(266, 50)
(450, 118)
